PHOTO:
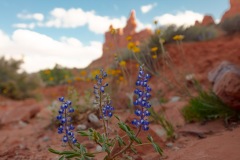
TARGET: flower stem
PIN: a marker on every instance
(127, 147)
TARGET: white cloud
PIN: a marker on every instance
(41, 52)
(181, 18)
(76, 17)
(72, 18)
(147, 8)
(141, 26)
(25, 26)
(100, 24)
(35, 16)
(4, 39)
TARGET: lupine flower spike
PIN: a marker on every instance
(141, 103)
(64, 118)
(101, 98)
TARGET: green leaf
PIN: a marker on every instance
(137, 140)
(150, 138)
(82, 149)
(61, 158)
(89, 155)
(120, 141)
(83, 133)
(133, 149)
(54, 151)
(117, 117)
(68, 152)
(157, 148)
(73, 155)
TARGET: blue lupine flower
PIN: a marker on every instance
(65, 119)
(99, 89)
(142, 93)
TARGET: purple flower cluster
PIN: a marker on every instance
(143, 94)
(107, 111)
(99, 91)
(64, 119)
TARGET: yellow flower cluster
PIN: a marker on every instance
(122, 63)
(47, 71)
(158, 31)
(178, 37)
(112, 30)
(113, 72)
(133, 47)
(154, 49)
(154, 56)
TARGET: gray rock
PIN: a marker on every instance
(98, 148)
(169, 144)
(81, 127)
(175, 99)
(93, 119)
(45, 139)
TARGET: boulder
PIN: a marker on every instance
(20, 113)
(226, 83)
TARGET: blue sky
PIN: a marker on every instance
(71, 32)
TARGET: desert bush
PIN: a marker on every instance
(15, 84)
(206, 106)
(231, 25)
(191, 33)
(57, 75)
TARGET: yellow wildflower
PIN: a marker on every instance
(83, 73)
(69, 81)
(118, 71)
(51, 79)
(154, 56)
(129, 38)
(112, 30)
(154, 49)
(131, 45)
(136, 50)
(178, 37)
(47, 71)
(121, 78)
(122, 63)
(137, 65)
(158, 31)
(78, 79)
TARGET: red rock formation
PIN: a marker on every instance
(207, 20)
(197, 23)
(233, 10)
(118, 39)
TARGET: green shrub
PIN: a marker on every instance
(58, 75)
(192, 33)
(14, 84)
(231, 25)
(206, 106)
